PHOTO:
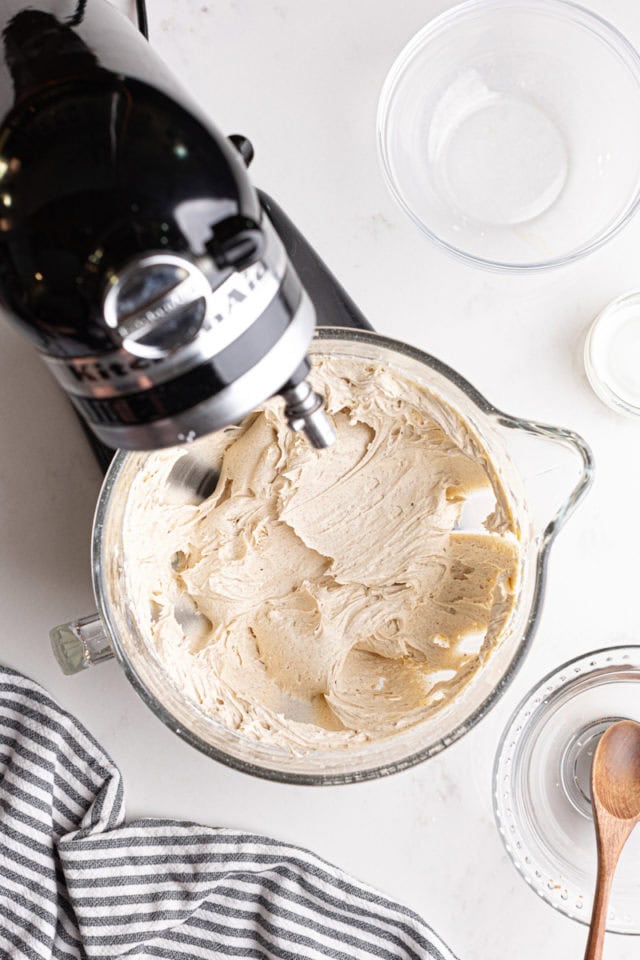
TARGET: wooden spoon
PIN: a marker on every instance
(615, 796)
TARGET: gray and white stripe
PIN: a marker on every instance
(76, 882)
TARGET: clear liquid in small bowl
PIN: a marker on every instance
(612, 355)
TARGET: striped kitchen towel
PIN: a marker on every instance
(76, 881)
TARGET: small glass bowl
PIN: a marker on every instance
(612, 355)
(542, 784)
(509, 131)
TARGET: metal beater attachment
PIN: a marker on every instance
(305, 413)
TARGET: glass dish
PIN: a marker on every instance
(509, 132)
(545, 471)
(542, 784)
(612, 355)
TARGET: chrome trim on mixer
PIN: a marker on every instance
(188, 286)
(230, 404)
(232, 308)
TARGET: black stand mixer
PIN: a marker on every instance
(167, 296)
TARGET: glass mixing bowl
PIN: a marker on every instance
(553, 472)
(542, 784)
(509, 131)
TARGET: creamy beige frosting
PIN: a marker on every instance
(318, 599)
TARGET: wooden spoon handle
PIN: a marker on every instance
(611, 836)
(598, 927)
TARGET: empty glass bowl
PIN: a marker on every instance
(509, 131)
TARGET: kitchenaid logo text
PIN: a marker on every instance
(93, 371)
(238, 287)
(183, 295)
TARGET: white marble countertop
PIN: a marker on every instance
(302, 80)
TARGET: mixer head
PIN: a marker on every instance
(133, 248)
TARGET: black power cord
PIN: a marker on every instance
(143, 20)
(78, 16)
(141, 8)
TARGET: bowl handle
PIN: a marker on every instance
(541, 477)
(80, 644)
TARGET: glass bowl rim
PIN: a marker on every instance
(565, 10)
